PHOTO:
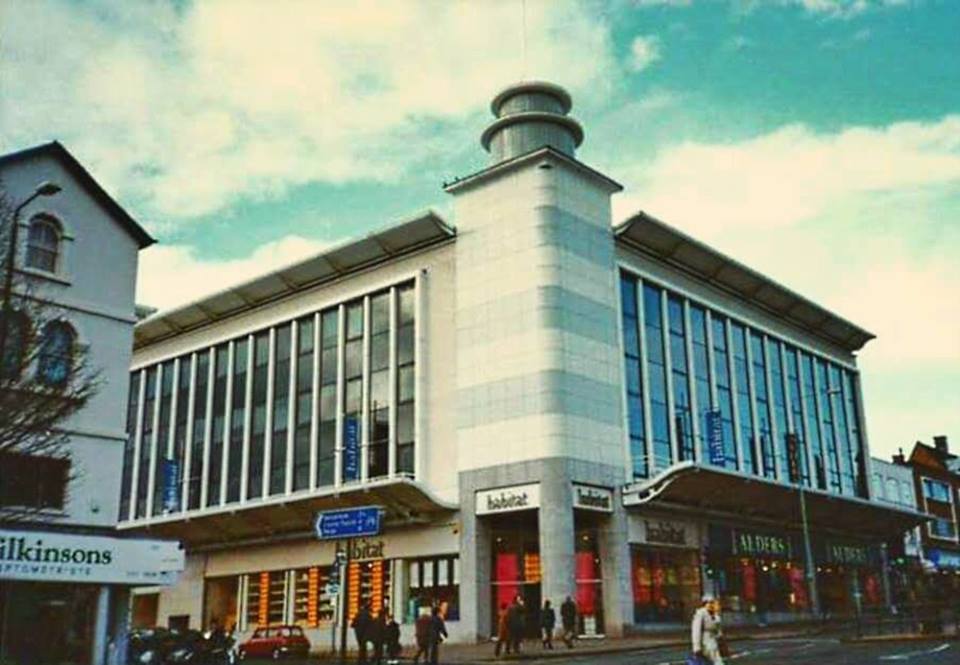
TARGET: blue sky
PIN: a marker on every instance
(818, 141)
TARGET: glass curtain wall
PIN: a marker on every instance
(682, 356)
(271, 408)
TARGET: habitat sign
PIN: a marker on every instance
(508, 499)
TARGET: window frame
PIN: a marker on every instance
(44, 356)
(32, 248)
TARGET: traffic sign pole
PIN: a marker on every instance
(344, 566)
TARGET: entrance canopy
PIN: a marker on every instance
(404, 501)
(716, 492)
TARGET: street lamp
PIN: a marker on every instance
(793, 450)
(45, 188)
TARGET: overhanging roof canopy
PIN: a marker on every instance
(391, 242)
(666, 243)
(704, 489)
(404, 500)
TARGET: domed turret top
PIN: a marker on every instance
(531, 115)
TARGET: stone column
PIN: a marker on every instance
(616, 569)
(475, 557)
(556, 535)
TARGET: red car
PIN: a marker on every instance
(275, 642)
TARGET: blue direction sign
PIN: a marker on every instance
(348, 523)
(715, 437)
(351, 449)
(171, 485)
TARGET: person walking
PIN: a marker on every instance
(378, 631)
(706, 632)
(421, 629)
(516, 622)
(503, 631)
(361, 631)
(438, 632)
(568, 617)
(391, 639)
(548, 620)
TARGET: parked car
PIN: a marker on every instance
(275, 642)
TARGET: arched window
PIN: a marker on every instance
(14, 334)
(43, 244)
(55, 358)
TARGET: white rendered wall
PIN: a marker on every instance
(94, 290)
(537, 356)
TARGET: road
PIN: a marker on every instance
(775, 652)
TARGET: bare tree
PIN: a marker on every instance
(45, 379)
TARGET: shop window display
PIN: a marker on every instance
(516, 572)
(589, 581)
(666, 584)
(312, 605)
(434, 581)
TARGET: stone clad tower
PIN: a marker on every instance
(538, 377)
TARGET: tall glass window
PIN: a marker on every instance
(129, 445)
(826, 422)
(146, 441)
(198, 439)
(796, 411)
(701, 376)
(779, 395)
(813, 421)
(281, 412)
(721, 368)
(845, 453)
(856, 439)
(744, 408)
(327, 435)
(238, 413)
(762, 405)
(180, 421)
(406, 384)
(657, 376)
(379, 409)
(258, 413)
(680, 376)
(303, 403)
(631, 347)
(218, 422)
(353, 393)
(163, 433)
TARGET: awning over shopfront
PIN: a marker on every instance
(403, 500)
(55, 556)
(714, 492)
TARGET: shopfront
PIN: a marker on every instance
(64, 596)
(757, 572)
(592, 506)
(849, 574)
(665, 569)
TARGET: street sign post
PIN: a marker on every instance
(345, 523)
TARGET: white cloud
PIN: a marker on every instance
(644, 51)
(172, 275)
(186, 110)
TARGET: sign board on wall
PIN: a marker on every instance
(46, 556)
(590, 497)
(715, 437)
(351, 449)
(663, 532)
(348, 522)
(508, 499)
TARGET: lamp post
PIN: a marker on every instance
(45, 188)
(793, 450)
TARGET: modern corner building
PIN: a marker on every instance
(543, 403)
(69, 270)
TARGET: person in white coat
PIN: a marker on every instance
(705, 631)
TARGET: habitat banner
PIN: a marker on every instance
(46, 556)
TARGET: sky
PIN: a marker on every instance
(817, 141)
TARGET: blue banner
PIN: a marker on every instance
(715, 437)
(171, 485)
(351, 449)
(348, 522)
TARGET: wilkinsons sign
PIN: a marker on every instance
(59, 557)
(508, 499)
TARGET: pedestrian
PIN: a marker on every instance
(391, 639)
(548, 620)
(516, 623)
(706, 632)
(361, 631)
(378, 631)
(438, 632)
(503, 631)
(568, 616)
(421, 629)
